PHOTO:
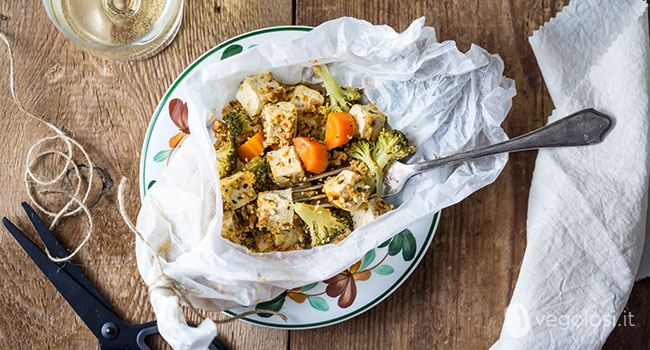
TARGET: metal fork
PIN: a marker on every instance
(586, 127)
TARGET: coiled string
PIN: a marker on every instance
(32, 181)
(74, 205)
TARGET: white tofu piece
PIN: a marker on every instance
(237, 190)
(305, 99)
(311, 125)
(257, 90)
(231, 228)
(346, 190)
(369, 211)
(264, 241)
(275, 210)
(280, 123)
(287, 238)
(369, 119)
(285, 165)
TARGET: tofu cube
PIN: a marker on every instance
(369, 120)
(369, 211)
(255, 91)
(275, 210)
(237, 190)
(346, 190)
(280, 123)
(311, 125)
(287, 238)
(285, 165)
(231, 228)
(264, 241)
(305, 99)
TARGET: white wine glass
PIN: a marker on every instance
(121, 30)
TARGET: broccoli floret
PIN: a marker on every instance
(343, 216)
(362, 150)
(262, 172)
(390, 145)
(240, 126)
(321, 223)
(226, 159)
(340, 99)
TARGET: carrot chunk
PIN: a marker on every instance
(339, 129)
(252, 148)
(312, 153)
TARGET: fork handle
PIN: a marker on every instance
(581, 128)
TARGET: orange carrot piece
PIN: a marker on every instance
(252, 148)
(312, 152)
(339, 129)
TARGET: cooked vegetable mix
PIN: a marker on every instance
(273, 135)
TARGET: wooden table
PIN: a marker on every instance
(454, 300)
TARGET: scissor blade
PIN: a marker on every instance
(56, 250)
(92, 312)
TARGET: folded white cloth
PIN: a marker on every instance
(587, 207)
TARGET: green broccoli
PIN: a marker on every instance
(390, 145)
(340, 99)
(362, 150)
(226, 159)
(321, 223)
(262, 171)
(343, 216)
(239, 124)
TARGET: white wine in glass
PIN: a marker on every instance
(118, 29)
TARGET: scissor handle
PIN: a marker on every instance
(151, 328)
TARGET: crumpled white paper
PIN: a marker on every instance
(587, 206)
(444, 100)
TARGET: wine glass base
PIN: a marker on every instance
(118, 39)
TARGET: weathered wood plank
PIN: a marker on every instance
(106, 106)
(455, 299)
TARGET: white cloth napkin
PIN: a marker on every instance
(587, 206)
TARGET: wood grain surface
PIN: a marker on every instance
(454, 300)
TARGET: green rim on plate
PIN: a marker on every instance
(231, 50)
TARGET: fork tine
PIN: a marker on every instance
(313, 198)
(326, 204)
(319, 176)
(306, 189)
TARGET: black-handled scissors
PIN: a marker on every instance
(79, 292)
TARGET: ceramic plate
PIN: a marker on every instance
(339, 298)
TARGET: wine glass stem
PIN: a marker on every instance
(122, 8)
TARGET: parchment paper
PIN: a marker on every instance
(444, 100)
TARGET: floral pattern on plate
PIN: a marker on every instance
(343, 296)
